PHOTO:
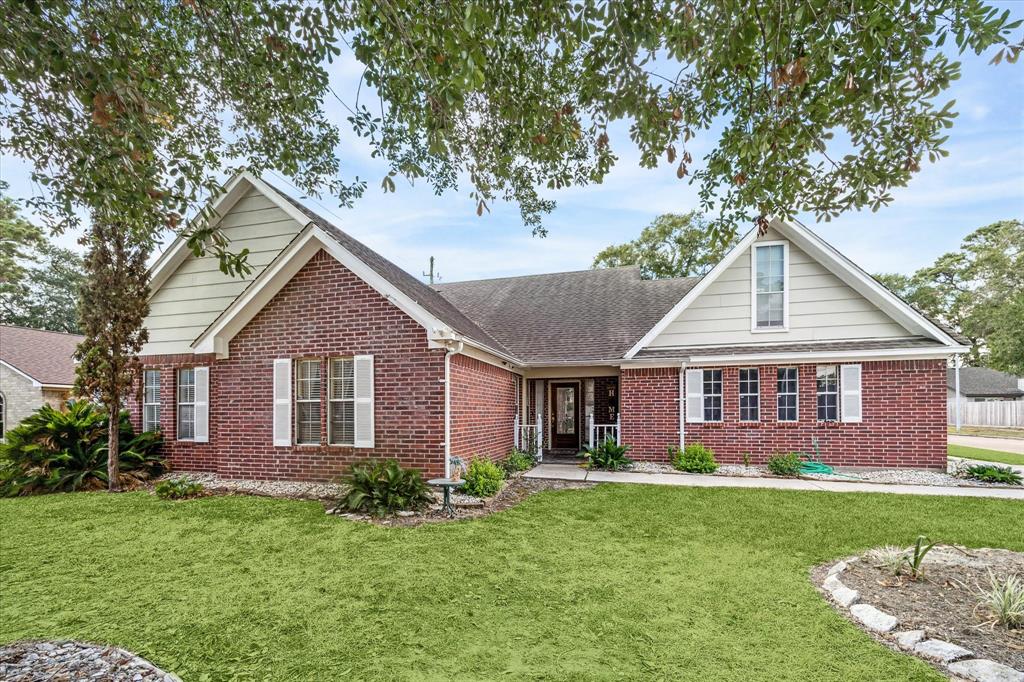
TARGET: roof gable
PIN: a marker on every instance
(836, 294)
(43, 356)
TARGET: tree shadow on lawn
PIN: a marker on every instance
(619, 581)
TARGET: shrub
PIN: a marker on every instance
(990, 473)
(65, 450)
(517, 461)
(607, 455)
(890, 559)
(178, 489)
(1005, 600)
(785, 465)
(383, 487)
(694, 458)
(483, 478)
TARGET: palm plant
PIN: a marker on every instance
(383, 487)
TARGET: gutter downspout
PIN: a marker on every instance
(956, 372)
(453, 348)
(682, 406)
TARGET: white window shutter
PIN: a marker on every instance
(364, 401)
(850, 386)
(202, 405)
(694, 395)
(283, 402)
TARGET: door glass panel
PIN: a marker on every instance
(565, 406)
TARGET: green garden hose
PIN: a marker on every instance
(813, 464)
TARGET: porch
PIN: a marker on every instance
(558, 416)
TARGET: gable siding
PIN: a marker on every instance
(821, 307)
(198, 291)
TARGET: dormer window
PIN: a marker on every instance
(770, 277)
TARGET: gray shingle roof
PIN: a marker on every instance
(982, 382)
(44, 356)
(788, 348)
(419, 292)
(568, 316)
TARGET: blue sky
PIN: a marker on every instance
(981, 181)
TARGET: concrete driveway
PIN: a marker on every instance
(984, 442)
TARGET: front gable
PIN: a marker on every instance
(820, 307)
(826, 297)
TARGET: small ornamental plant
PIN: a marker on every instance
(990, 473)
(380, 488)
(517, 461)
(785, 465)
(180, 488)
(483, 478)
(608, 455)
(695, 458)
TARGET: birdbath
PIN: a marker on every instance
(446, 485)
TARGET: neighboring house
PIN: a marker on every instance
(981, 384)
(36, 367)
(327, 353)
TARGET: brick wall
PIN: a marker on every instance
(483, 409)
(904, 417)
(324, 311)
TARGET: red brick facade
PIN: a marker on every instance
(904, 417)
(483, 409)
(324, 311)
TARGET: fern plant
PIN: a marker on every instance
(607, 455)
(66, 450)
(380, 488)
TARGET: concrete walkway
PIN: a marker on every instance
(986, 443)
(569, 472)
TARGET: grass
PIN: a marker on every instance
(991, 431)
(615, 582)
(985, 455)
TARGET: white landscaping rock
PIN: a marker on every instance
(909, 639)
(832, 583)
(938, 650)
(837, 568)
(984, 670)
(845, 596)
(873, 619)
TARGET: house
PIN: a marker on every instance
(327, 353)
(981, 384)
(36, 367)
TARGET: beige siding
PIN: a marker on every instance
(198, 291)
(821, 307)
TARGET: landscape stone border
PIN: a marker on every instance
(958, 661)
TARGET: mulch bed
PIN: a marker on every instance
(944, 603)
(515, 491)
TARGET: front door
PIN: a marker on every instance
(565, 432)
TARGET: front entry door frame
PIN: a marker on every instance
(565, 442)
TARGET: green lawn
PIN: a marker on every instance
(616, 582)
(985, 455)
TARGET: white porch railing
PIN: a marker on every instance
(527, 437)
(599, 433)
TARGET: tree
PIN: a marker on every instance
(39, 281)
(673, 245)
(978, 291)
(113, 306)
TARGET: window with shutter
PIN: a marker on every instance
(694, 386)
(282, 380)
(201, 407)
(307, 402)
(151, 400)
(341, 419)
(186, 403)
(712, 395)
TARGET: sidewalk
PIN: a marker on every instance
(569, 472)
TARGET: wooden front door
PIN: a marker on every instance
(565, 415)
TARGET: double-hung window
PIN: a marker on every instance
(341, 406)
(787, 394)
(828, 393)
(712, 395)
(307, 402)
(151, 400)
(769, 286)
(750, 394)
(186, 403)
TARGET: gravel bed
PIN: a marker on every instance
(289, 489)
(894, 476)
(71, 661)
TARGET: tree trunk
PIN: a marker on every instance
(113, 449)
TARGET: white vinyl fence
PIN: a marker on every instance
(994, 413)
